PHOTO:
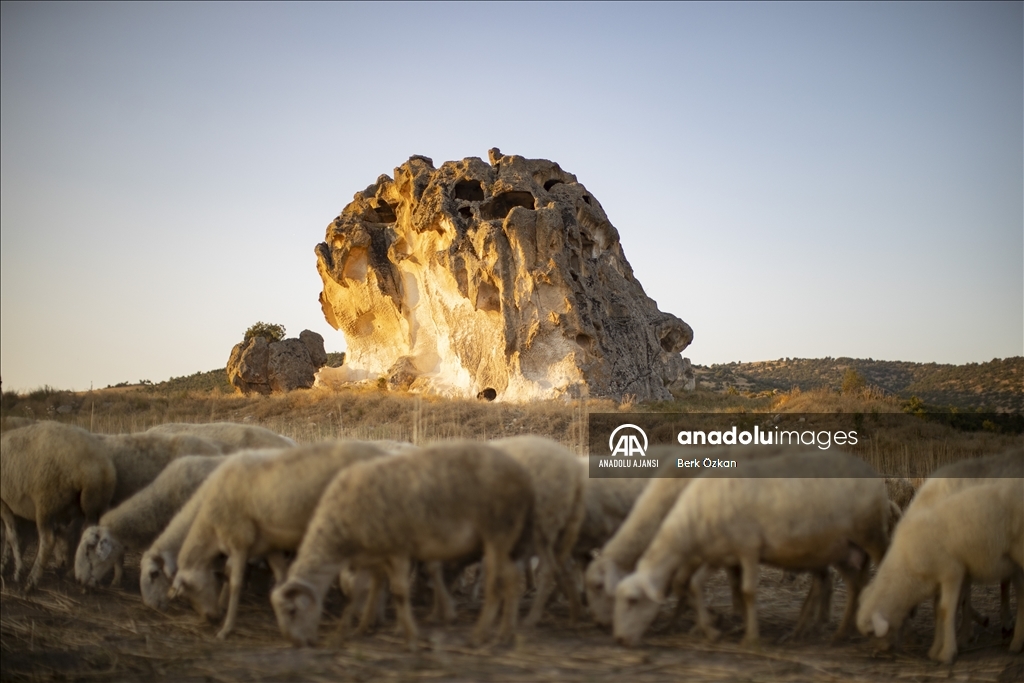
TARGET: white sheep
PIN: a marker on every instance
(977, 532)
(954, 478)
(231, 436)
(140, 458)
(257, 504)
(619, 555)
(447, 502)
(53, 474)
(559, 486)
(799, 511)
(159, 563)
(136, 522)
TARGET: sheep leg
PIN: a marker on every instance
(680, 589)
(944, 647)
(965, 631)
(810, 611)
(825, 599)
(511, 590)
(565, 572)
(444, 609)
(1005, 617)
(1017, 644)
(345, 621)
(855, 580)
(236, 576)
(751, 569)
(735, 575)
(543, 580)
(398, 576)
(278, 563)
(498, 570)
(696, 589)
(371, 602)
(11, 541)
(118, 570)
(46, 542)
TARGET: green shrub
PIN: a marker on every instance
(269, 331)
(853, 381)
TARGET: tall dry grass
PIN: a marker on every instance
(903, 447)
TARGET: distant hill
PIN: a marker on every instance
(997, 385)
(211, 380)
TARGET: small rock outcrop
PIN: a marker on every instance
(504, 278)
(260, 366)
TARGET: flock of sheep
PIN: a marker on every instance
(203, 501)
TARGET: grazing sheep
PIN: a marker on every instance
(257, 504)
(976, 532)
(962, 474)
(800, 511)
(618, 557)
(954, 478)
(140, 458)
(608, 502)
(230, 436)
(442, 504)
(159, 563)
(559, 487)
(136, 522)
(53, 474)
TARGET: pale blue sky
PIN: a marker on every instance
(800, 180)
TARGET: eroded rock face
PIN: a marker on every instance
(505, 276)
(262, 367)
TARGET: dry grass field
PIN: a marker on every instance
(64, 631)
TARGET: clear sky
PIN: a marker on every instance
(801, 180)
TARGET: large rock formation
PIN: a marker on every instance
(506, 276)
(260, 366)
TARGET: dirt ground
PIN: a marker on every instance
(64, 631)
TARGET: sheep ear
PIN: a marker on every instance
(880, 624)
(169, 564)
(650, 590)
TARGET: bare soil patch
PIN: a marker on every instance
(64, 631)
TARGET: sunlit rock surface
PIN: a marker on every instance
(505, 275)
(258, 366)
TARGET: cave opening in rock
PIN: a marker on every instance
(502, 204)
(383, 213)
(585, 342)
(469, 190)
(466, 213)
(586, 198)
(551, 183)
(488, 394)
(488, 298)
(588, 246)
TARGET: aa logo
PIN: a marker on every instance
(629, 441)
